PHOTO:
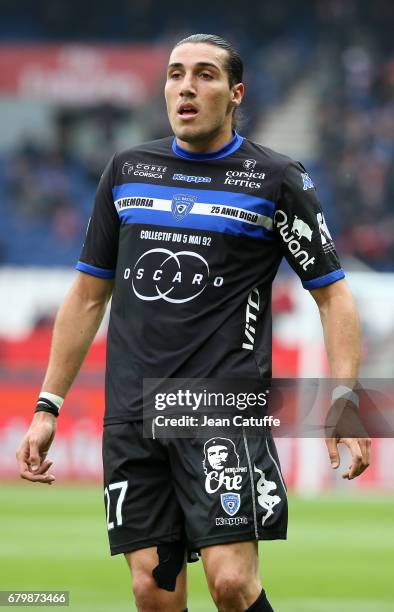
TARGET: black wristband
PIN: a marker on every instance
(45, 405)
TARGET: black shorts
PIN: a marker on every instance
(209, 492)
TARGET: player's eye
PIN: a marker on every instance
(206, 76)
(174, 75)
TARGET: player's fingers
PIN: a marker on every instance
(362, 464)
(357, 466)
(23, 467)
(34, 459)
(365, 447)
(44, 467)
(43, 478)
(22, 455)
(332, 447)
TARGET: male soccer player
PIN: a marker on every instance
(187, 234)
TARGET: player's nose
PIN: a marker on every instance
(188, 85)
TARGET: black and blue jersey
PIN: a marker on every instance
(194, 242)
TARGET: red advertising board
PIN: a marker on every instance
(77, 448)
(76, 451)
(82, 74)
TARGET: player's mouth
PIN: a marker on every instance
(187, 111)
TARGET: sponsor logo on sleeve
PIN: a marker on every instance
(301, 229)
(325, 235)
(249, 164)
(292, 237)
(306, 181)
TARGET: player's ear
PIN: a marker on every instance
(237, 93)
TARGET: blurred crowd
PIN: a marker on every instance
(356, 120)
(343, 45)
(45, 206)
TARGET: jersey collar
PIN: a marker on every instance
(229, 148)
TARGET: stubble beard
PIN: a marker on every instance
(200, 135)
(197, 135)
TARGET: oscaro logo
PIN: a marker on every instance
(301, 230)
(160, 274)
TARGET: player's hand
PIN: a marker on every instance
(360, 449)
(31, 454)
(344, 426)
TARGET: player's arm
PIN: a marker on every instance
(307, 244)
(342, 338)
(75, 327)
(341, 328)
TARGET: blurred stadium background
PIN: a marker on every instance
(81, 80)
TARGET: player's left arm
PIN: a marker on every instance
(342, 338)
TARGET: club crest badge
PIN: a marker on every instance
(182, 204)
(231, 502)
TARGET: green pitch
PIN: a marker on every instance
(339, 556)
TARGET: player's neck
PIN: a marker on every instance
(209, 145)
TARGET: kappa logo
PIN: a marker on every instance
(234, 520)
(182, 204)
(301, 229)
(249, 164)
(265, 498)
(191, 179)
(231, 502)
(306, 181)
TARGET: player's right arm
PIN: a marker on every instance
(76, 324)
(75, 327)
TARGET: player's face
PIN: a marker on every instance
(217, 457)
(199, 98)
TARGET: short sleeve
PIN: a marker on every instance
(100, 249)
(302, 230)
